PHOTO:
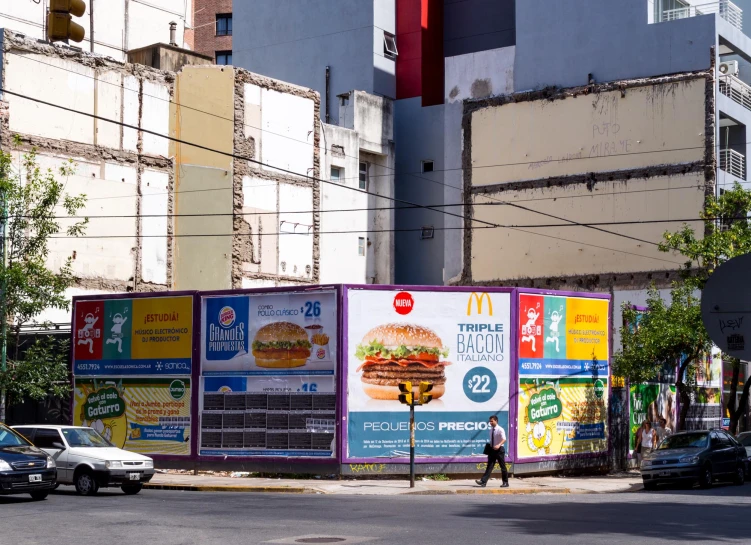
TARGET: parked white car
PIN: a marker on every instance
(87, 460)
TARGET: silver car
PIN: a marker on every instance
(88, 461)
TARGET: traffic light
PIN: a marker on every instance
(406, 393)
(425, 397)
(60, 25)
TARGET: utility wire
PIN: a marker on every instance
(305, 176)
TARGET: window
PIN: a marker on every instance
(361, 246)
(427, 166)
(224, 57)
(224, 24)
(364, 176)
(389, 45)
(336, 174)
(44, 438)
(427, 232)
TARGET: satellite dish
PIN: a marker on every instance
(726, 307)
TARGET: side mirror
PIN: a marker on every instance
(58, 445)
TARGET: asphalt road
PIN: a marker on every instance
(187, 518)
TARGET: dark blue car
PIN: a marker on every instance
(24, 469)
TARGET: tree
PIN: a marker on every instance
(727, 235)
(667, 335)
(33, 201)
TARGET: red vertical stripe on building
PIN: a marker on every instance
(432, 52)
(409, 43)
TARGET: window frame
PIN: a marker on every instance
(227, 19)
(363, 184)
(361, 249)
(388, 51)
(227, 53)
(40, 432)
(338, 178)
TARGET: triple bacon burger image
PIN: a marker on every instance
(281, 345)
(394, 353)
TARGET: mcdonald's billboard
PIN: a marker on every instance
(458, 340)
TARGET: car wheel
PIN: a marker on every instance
(650, 485)
(40, 495)
(132, 489)
(705, 479)
(86, 485)
(740, 476)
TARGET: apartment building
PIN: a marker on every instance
(213, 29)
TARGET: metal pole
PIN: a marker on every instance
(3, 317)
(412, 445)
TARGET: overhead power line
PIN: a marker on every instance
(304, 176)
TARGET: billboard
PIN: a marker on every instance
(268, 366)
(139, 336)
(457, 340)
(146, 415)
(563, 345)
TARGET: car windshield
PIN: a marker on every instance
(9, 438)
(85, 437)
(685, 440)
(745, 440)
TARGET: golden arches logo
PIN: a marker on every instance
(478, 298)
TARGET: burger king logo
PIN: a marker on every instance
(227, 317)
(320, 353)
(403, 303)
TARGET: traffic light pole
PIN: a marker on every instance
(412, 445)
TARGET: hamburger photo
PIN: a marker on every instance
(394, 353)
(281, 345)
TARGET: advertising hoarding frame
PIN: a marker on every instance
(195, 319)
(344, 372)
(314, 461)
(515, 375)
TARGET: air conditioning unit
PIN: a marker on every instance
(729, 68)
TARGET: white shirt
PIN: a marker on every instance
(496, 435)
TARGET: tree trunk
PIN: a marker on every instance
(685, 396)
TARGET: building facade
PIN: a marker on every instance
(213, 29)
(113, 27)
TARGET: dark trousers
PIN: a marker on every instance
(498, 456)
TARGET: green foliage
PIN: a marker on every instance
(727, 234)
(38, 210)
(42, 371)
(667, 334)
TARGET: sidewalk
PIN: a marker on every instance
(529, 485)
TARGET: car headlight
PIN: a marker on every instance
(646, 463)
(5, 466)
(110, 464)
(689, 460)
(149, 464)
(51, 463)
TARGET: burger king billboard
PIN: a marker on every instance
(456, 339)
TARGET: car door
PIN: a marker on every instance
(739, 452)
(722, 454)
(51, 442)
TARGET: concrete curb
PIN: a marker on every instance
(222, 488)
(504, 491)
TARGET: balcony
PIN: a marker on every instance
(727, 10)
(735, 89)
(733, 163)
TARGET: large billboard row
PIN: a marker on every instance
(294, 373)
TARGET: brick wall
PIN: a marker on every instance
(204, 21)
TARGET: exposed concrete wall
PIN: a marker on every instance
(656, 124)
(649, 193)
(480, 75)
(119, 25)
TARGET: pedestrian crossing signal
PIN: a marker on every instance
(406, 393)
(425, 397)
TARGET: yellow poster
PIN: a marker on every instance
(148, 416)
(162, 328)
(587, 331)
(562, 416)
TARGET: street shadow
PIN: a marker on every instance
(654, 517)
(103, 492)
(726, 490)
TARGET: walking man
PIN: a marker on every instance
(496, 453)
